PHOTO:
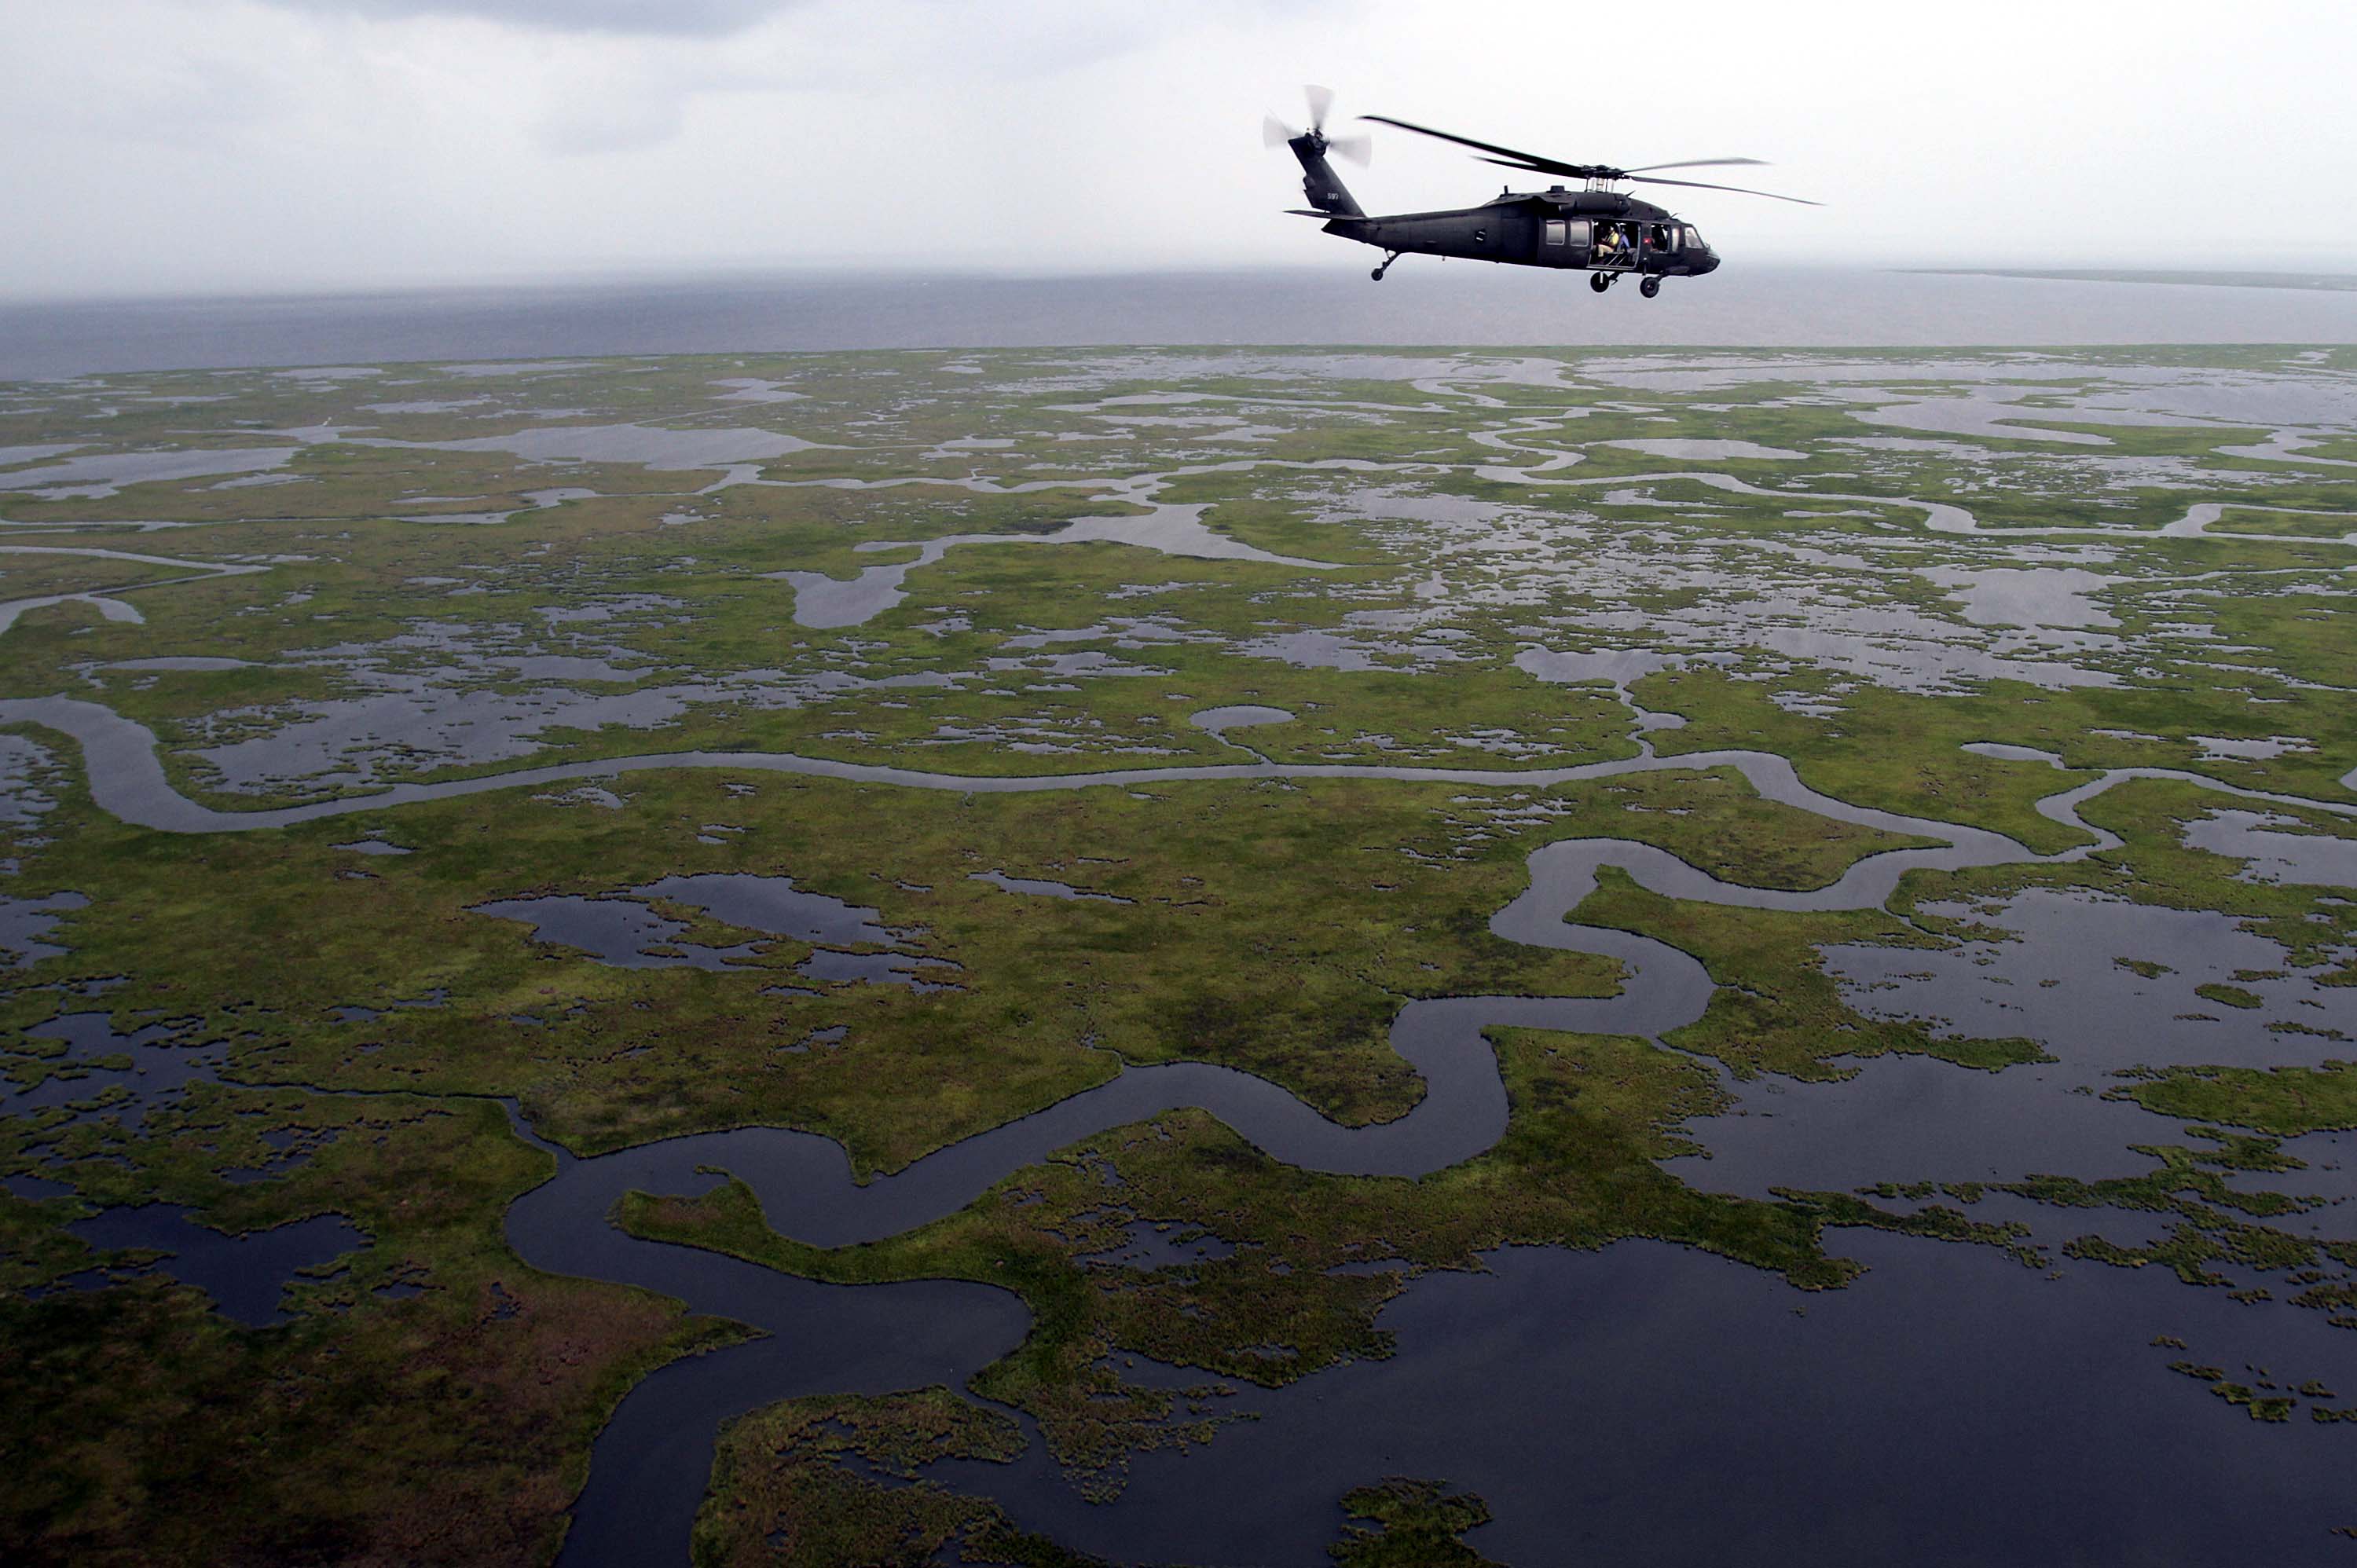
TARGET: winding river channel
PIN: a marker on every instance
(652, 1463)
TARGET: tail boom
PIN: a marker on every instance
(1324, 189)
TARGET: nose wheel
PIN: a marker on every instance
(1600, 282)
(1389, 257)
(1650, 287)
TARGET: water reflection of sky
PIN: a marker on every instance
(1652, 1403)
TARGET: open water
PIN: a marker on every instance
(1423, 301)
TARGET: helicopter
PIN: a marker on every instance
(1597, 229)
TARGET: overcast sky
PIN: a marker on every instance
(172, 146)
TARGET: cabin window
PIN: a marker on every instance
(1558, 232)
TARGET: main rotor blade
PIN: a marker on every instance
(1526, 168)
(1739, 191)
(1697, 163)
(1321, 103)
(1276, 132)
(1531, 161)
(1360, 150)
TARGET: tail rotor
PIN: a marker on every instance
(1275, 132)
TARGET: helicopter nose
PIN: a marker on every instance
(1709, 262)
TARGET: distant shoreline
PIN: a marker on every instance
(1434, 305)
(2343, 283)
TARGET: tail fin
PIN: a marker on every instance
(1319, 182)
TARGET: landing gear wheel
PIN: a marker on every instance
(1389, 258)
(1650, 287)
(1600, 282)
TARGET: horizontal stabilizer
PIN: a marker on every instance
(1331, 217)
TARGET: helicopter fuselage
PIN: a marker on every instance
(1591, 230)
(1595, 229)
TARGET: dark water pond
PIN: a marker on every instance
(25, 924)
(619, 932)
(2098, 983)
(125, 1076)
(1045, 887)
(1238, 715)
(100, 474)
(154, 1067)
(623, 929)
(822, 601)
(1649, 1403)
(245, 1275)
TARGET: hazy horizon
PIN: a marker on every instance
(1333, 265)
(1434, 305)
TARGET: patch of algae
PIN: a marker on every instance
(1410, 1523)
(2287, 1102)
(814, 1483)
(822, 1481)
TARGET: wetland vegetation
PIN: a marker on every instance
(1473, 605)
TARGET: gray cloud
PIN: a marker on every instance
(688, 18)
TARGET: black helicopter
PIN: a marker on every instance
(1596, 230)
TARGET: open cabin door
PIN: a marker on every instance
(1614, 246)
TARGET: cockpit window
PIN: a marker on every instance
(1694, 240)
